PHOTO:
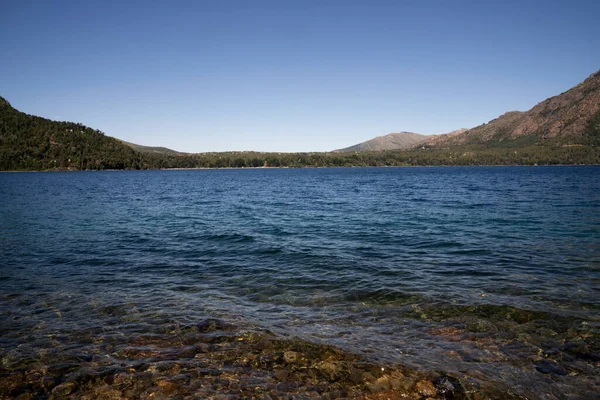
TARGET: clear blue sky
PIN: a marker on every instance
(289, 75)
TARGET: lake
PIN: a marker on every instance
(301, 283)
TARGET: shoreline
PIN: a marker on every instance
(307, 167)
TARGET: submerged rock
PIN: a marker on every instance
(290, 356)
(232, 364)
(550, 367)
(212, 325)
(64, 389)
(426, 388)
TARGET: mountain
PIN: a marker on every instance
(28, 142)
(570, 119)
(393, 141)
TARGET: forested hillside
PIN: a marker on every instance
(28, 142)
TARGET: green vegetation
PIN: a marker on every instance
(540, 155)
(32, 143)
(594, 130)
(149, 149)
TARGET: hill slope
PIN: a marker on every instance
(571, 118)
(393, 141)
(152, 149)
(28, 142)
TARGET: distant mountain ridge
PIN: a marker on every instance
(395, 141)
(392, 141)
(570, 118)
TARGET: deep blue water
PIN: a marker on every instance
(492, 272)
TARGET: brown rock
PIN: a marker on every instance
(281, 374)
(426, 388)
(290, 356)
(63, 389)
(382, 383)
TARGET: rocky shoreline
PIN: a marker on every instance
(215, 360)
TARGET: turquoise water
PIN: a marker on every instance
(486, 273)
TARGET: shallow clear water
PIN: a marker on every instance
(492, 273)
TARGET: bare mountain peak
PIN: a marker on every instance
(391, 141)
(402, 134)
(398, 141)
